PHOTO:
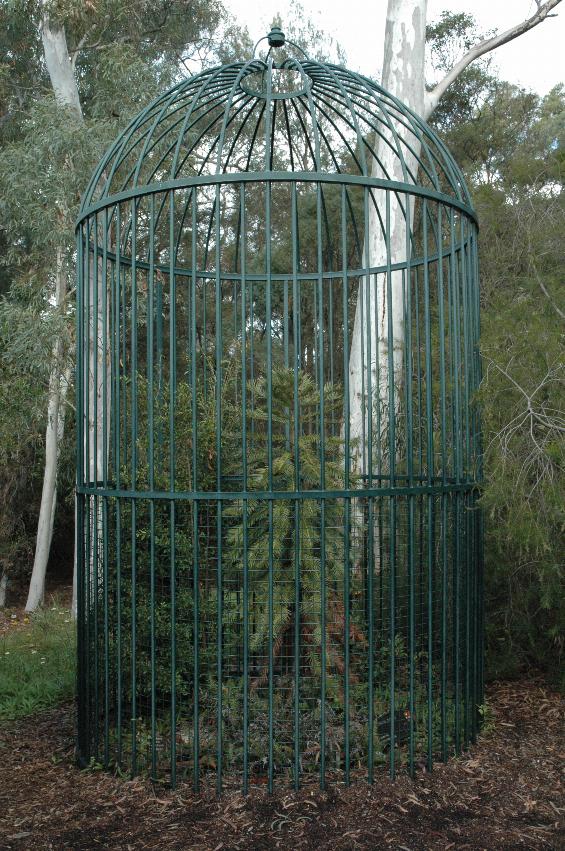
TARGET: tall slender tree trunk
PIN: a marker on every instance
(3, 588)
(379, 310)
(63, 81)
(58, 382)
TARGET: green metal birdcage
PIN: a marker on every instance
(278, 458)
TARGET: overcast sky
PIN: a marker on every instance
(535, 60)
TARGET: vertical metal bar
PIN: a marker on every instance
(409, 425)
(151, 478)
(444, 608)
(418, 372)
(194, 483)
(160, 376)
(286, 357)
(466, 561)
(368, 451)
(105, 581)
(111, 464)
(104, 351)
(134, 486)
(219, 571)
(475, 294)
(380, 456)
(392, 499)
(322, 448)
(347, 501)
(268, 307)
(245, 506)
(172, 475)
(104, 517)
(88, 573)
(133, 719)
(411, 628)
(268, 310)
(251, 359)
(94, 343)
(331, 376)
(473, 473)
(120, 321)
(119, 686)
(285, 324)
(124, 355)
(444, 465)
(95, 483)
(453, 286)
(172, 545)
(296, 434)
(430, 478)
(419, 463)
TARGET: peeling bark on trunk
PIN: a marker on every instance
(59, 65)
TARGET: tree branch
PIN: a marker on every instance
(123, 39)
(545, 291)
(73, 54)
(485, 46)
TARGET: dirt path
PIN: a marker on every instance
(506, 793)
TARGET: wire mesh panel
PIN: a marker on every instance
(278, 455)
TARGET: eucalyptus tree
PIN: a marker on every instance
(73, 74)
(403, 75)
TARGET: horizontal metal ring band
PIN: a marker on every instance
(277, 177)
(250, 496)
(185, 272)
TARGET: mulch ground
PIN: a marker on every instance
(506, 792)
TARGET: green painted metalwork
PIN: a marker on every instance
(280, 576)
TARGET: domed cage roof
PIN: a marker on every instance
(323, 119)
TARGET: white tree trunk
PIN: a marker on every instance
(3, 588)
(59, 65)
(62, 78)
(402, 76)
(58, 384)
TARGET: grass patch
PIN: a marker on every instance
(37, 664)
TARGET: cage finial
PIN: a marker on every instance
(276, 37)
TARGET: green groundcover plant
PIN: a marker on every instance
(37, 664)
